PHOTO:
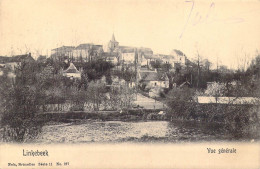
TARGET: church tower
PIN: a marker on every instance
(113, 44)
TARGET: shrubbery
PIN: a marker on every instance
(236, 118)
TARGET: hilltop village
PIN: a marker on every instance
(137, 68)
(142, 66)
(125, 76)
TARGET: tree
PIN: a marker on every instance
(20, 98)
(96, 93)
(206, 65)
(179, 101)
(96, 69)
(216, 90)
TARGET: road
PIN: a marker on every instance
(148, 103)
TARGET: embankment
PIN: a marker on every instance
(126, 115)
(242, 118)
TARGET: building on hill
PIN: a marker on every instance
(82, 53)
(72, 72)
(62, 53)
(87, 52)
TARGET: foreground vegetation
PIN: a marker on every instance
(38, 84)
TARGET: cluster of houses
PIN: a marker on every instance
(14, 62)
(116, 54)
(137, 59)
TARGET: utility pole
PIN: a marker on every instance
(136, 71)
(217, 70)
(191, 78)
(198, 81)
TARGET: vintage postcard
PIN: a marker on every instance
(129, 84)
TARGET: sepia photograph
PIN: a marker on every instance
(118, 72)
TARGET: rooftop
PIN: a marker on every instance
(88, 46)
(17, 58)
(178, 52)
(152, 76)
(71, 69)
(64, 48)
(129, 49)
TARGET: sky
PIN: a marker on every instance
(223, 31)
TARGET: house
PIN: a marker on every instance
(175, 57)
(14, 61)
(146, 60)
(153, 79)
(72, 72)
(164, 58)
(179, 57)
(4, 59)
(145, 56)
(127, 54)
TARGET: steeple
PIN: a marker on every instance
(113, 38)
(113, 44)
